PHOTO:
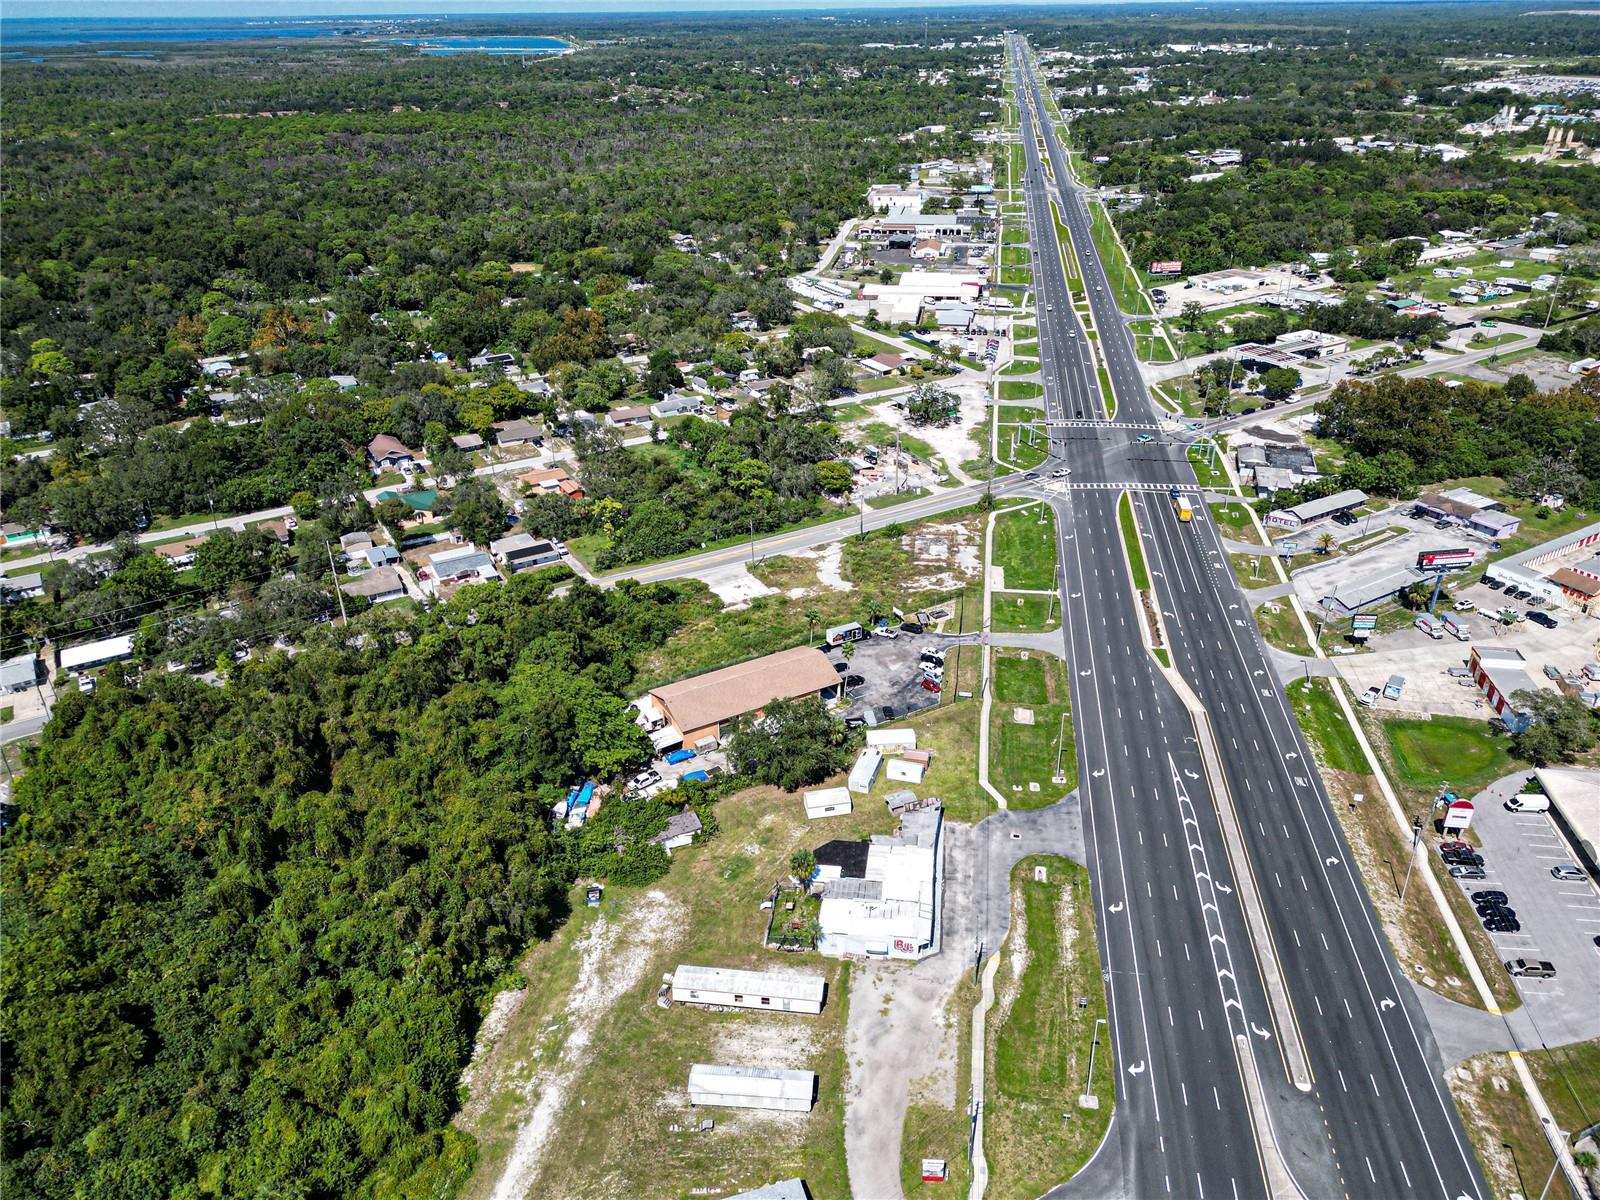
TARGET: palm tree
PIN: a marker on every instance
(1325, 543)
(812, 617)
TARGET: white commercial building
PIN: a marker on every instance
(888, 905)
(768, 991)
(751, 1087)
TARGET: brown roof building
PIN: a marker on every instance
(699, 707)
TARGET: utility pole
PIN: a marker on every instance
(1088, 1099)
(1416, 836)
(338, 591)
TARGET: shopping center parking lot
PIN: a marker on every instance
(1560, 920)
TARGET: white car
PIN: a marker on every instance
(1370, 697)
(884, 631)
(1464, 606)
(1061, 474)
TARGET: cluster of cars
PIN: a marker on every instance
(930, 670)
(1464, 862)
(1509, 615)
(991, 349)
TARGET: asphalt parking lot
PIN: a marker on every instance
(889, 670)
(1560, 920)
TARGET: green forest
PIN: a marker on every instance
(249, 929)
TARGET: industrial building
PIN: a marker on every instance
(751, 1087)
(698, 708)
(1564, 570)
(881, 897)
(1499, 673)
(766, 991)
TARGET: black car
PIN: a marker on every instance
(1498, 911)
(1494, 585)
(1489, 897)
(855, 681)
(1461, 858)
(841, 667)
(1344, 518)
(854, 722)
(1499, 924)
(1545, 619)
(912, 627)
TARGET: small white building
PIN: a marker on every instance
(903, 770)
(768, 991)
(751, 1087)
(87, 655)
(827, 802)
(899, 739)
(865, 770)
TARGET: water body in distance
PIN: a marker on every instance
(70, 32)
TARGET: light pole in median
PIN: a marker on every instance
(1089, 1099)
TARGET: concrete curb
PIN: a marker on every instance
(980, 1014)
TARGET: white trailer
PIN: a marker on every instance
(898, 739)
(764, 991)
(865, 770)
(827, 802)
(751, 1087)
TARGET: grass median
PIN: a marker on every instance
(1039, 1039)
(1025, 547)
(1030, 729)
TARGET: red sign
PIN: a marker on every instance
(903, 946)
(1167, 266)
(1445, 560)
(1458, 815)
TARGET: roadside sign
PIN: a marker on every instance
(1458, 815)
(1167, 266)
(1364, 621)
(1457, 559)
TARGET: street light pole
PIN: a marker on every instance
(1554, 1167)
(1416, 836)
(1088, 1086)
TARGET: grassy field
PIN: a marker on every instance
(1013, 613)
(1150, 346)
(1131, 543)
(1458, 750)
(1020, 366)
(1231, 516)
(1024, 755)
(880, 567)
(1012, 389)
(1025, 546)
(1026, 349)
(631, 1076)
(1017, 276)
(1038, 1040)
(934, 1128)
(1569, 1077)
(1325, 728)
(1107, 392)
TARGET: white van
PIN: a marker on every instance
(1529, 802)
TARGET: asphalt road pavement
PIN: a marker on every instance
(1180, 967)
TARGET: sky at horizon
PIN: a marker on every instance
(204, 10)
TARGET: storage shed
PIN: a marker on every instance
(774, 991)
(900, 739)
(903, 770)
(751, 1087)
(827, 802)
(865, 770)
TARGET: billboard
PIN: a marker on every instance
(1445, 560)
(1364, 622)
(1167, 266)
(1458, 816)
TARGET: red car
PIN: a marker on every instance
(931, 685)
(1453, 845)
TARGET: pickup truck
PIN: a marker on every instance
(1391, 689)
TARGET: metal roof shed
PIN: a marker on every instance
(775, 991)
(751, 1087)
(827, 802)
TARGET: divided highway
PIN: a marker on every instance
(1206, 1107)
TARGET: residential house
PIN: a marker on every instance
(518, 432)
(468, 442)
(744, 321)
(21, 587)
(19, 674)
(279, 529)
(883, 364)
(699, 707)
(460, 565)
(180, 553)
(387, 453)
(676, 404)
(524, 552)
(345, 382)
(930, 248)
(680, 830)
(380, 556)
(378, 586)
(628, 417)
(552, 479)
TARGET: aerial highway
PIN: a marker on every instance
(1273, 1053)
